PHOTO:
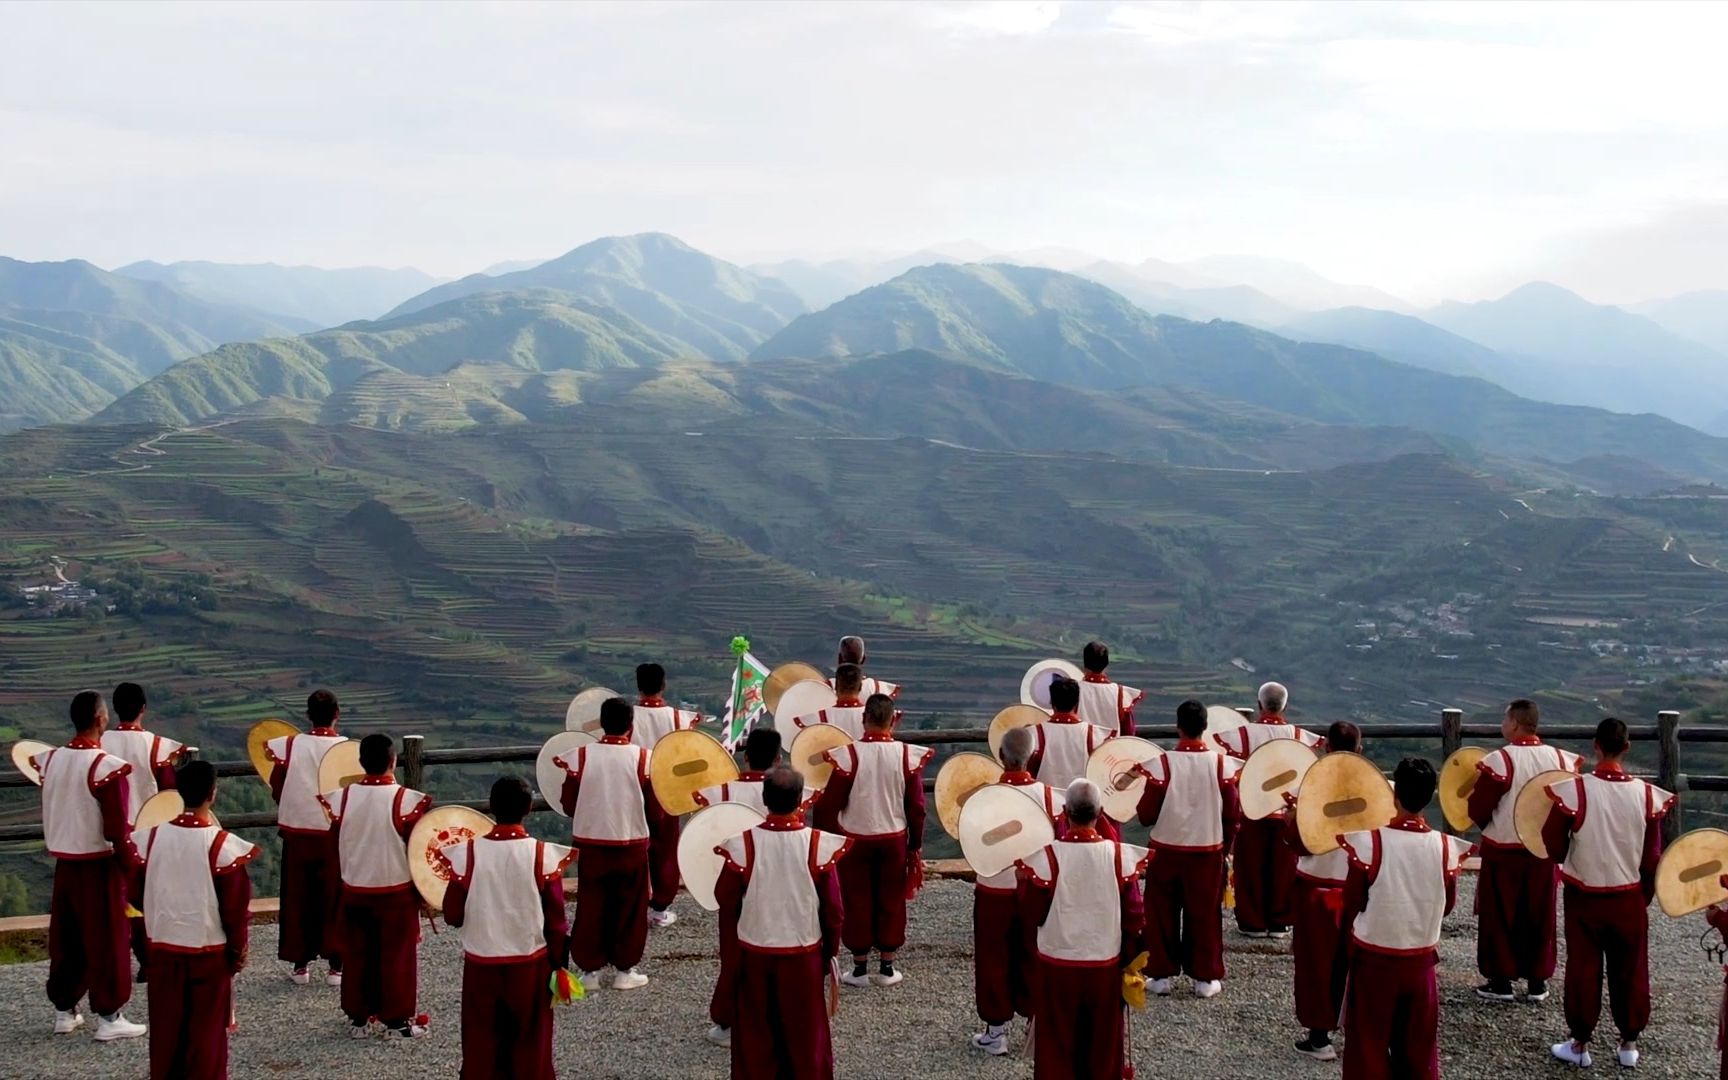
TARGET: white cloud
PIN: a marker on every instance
(1006, 18)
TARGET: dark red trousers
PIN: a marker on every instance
(1265, 875)
(780, 1011)
(311, 894)
(1079, 1025)
(611, 923)
(1184, 914)
(191, 996)
(1607, 929)
(1392, 1017)
(1319, 988)
(663, 879)
(380, 954)
(88, 935)
(873, 890)
(1515, 895)
(507, 1020)
(1002, 969)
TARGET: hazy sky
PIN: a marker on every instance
(1446, 149)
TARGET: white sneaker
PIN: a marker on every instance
(1572, 1054)
(300, 976)
(591, 981)
(109, 1028)
(847, 978)
(629, 980)
(720, 1036)
(1209, 988)
(893, 978)
(360, 1031)
(410, 1030)
(659, 920)
(65, 1023)
(1160, 987)
(1627, 1055)
(992, 1040)
(333, 979)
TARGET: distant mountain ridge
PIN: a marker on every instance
(322, 297)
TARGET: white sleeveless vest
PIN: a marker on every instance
(1193, 815)
(181, 911)
(880, 771)
(300, 811)
(1518, 765)
(1054, 803)
(1102, 703)
(848, 718)
(655, 722)
(1608, 822)
(374, 853)
(1243, 741)
(1065, 746)
(71, 816)
(610, 806)
(781, 910)
(144, 752)
(1407, 874)
(502, 918)
(1084, 926)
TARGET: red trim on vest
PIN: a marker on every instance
(506, 832)
(1094, 677)
(783, 822)
(375, 781)
(1020, 778)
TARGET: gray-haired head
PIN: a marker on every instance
(1274, 698)
(1016, 749)
(1084, 802)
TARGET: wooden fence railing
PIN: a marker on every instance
(1452, 733)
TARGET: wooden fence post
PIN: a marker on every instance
(1451, 732)
(1668, 773)
(414, 762)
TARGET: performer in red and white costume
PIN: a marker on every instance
(1002, 963)
(311, 893)
(380, 921)
(876, 797)
(1082, 893)
(1265, 866)
(1064, 742)
(1102, 702)
(1316, 908)
(1401, 883)
(84, 822)
(1515, 891)
(852, 651)
(152, 759)
(1193, 806)
(195, 898)
(612, 812)
(654, 720)
(1717, 916)
(847, 712)
(780, 924)
(506, 895)
(1606, 832)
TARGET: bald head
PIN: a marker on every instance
(1274, 699)
(1016, 749)
(852, 651)
(1084, 803)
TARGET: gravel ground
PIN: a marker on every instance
(917, 1029)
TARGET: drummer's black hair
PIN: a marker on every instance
(1611, 737)
(782, 790)
(129, 702)
(1343, 735)
(762, 749)
(322, 709)
(87, 705)
(616, 716)
(1095, 657)
(376, 750)
(1064, 694)
(879, 711)
(196, 782)
(650, 679)
(511, 798)
(1191, 718)
(1414, 782)
(848, 677)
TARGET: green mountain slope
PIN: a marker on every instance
(312, 293)
(1060, 328)
(533, 330)
(712, 307)
(1403, 338)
